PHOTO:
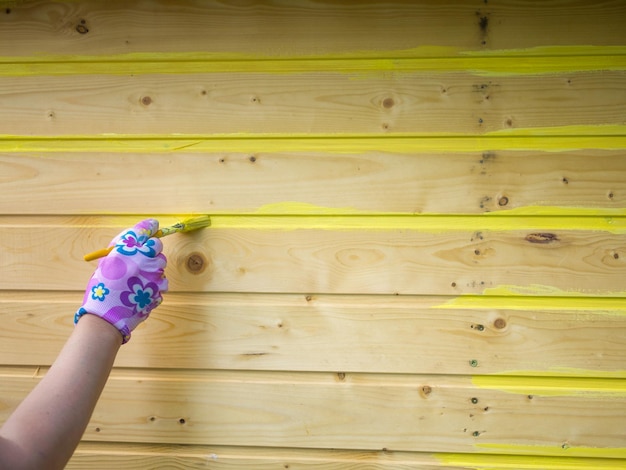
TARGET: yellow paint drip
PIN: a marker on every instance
(552, 386)
(520, 462)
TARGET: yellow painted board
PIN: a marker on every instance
(350, 411)
(422, 28)
(102, 455)
(319, 102)
(376, 334)
(545, 256)
(375, 182)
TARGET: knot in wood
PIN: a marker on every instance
(388, 103)
(195, 263)
(81, 28)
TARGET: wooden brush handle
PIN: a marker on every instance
(98, 254)
(105, 251)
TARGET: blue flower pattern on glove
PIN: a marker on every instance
(140, 296)
(81, 311)
(131, 243)
(99, 292)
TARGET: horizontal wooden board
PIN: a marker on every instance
(567, 417)
(104, 455)
(313, 27)
(371, 182)
(377, 103)
(376, 255)
(418, 335)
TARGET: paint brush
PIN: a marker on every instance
(188, 225)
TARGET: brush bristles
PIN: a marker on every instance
(195, 223)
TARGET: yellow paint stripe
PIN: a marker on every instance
(519, 462)
(564, 450)
(340, 144)
(435, 224)
(537, 384)
(534, 62)
(574, 302)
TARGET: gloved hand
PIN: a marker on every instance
(128, 282)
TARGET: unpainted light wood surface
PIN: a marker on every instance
(375, 181)
(300, 103)
(375, 334)
(260, 29)
(354, 260)
(349, 411)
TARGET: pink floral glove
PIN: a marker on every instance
(128, 282)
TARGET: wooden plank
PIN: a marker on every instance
(372, 182)
(340, 255)
(314, 28)
(104, 455)
(567, 417)
(318, 103)
(340, 334)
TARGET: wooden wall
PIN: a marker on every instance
(418, 253)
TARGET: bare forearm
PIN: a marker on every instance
(47, 426)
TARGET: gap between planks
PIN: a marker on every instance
(556, 139)
(285, 217)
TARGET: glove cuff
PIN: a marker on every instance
(119, 325)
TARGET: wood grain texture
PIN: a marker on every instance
(318, 103)
(40, 28)
(405, 335)
(397, 259)
(351, 411)
(104, 455)
(372, 182)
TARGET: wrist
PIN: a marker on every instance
(100, 327)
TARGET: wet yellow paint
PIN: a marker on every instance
(554, 386)
(586, 137)
(520, 462)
